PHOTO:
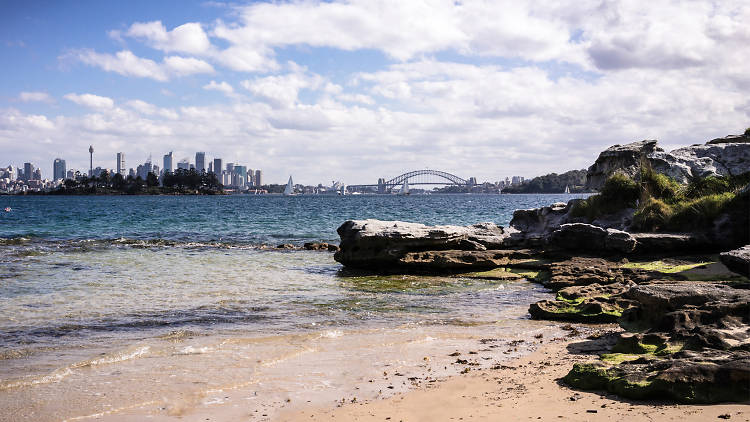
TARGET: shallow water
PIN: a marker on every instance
(117, 306)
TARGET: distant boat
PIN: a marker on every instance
(7, 209)
(567, 189)
(405, 188)
(289, 190)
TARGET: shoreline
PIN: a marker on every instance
(524, 388)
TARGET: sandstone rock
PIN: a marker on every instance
(531, 226)
(730, 139)
(667, 243)
(683, 164)
(710, 376)
(458, 260)
(701, 314)
(623, 158)
(320, 246)
(737, 260)
(588, 237)
(382, 245)
(599, 309)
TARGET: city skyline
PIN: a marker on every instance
(357, 91)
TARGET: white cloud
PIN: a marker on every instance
(219, 86)
(41, 97)
(90, 100)
(123, 62)
(150, 109)
(283, 91)
(183, 66)
(128, 64)
(188, 38)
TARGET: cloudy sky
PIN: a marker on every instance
(356, 90)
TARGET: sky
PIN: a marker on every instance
(361, 89)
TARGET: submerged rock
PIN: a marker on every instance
(737, 260)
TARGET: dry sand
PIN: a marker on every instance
(527, 388)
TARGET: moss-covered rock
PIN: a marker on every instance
(706, 377)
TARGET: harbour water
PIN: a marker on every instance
(170, 307)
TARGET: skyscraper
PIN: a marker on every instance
(168, 163)
(121, 163)
(258, 180)
(184, 164)
(58, 169)
(218, 165)
(200, 162)
(91, 160)
(28, 171)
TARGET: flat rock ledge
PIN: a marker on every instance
(388, 246)
(737, 260)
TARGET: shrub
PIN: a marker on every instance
(707, 186)
(659, 185)
(689, 215)
(652, 215)
(619, 192)
(747, 132)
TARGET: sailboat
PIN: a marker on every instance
(567, 189)
(405, 188)
(289, 189)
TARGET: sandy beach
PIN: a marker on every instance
(527, 388)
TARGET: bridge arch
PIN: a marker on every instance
(452, 178)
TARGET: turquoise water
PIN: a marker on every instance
(152, 287)
(244, 219)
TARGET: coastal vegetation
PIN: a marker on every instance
(179, 182)
(662, 204)
(575, 180)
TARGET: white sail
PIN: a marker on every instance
(567, 189)
(289, 190)
(405, 188)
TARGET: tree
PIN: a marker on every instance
(118, 182)
(152, 180)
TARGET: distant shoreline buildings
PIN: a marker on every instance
(233, 176)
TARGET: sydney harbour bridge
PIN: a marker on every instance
(416, 178)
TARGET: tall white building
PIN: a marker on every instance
(168, 163)
(58, 169)
(200, 162)
(121, 163)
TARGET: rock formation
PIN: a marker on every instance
(737, 260)
(728, 156)
(386, 245)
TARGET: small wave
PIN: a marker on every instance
(61, 373)
(190, 350)
(114, 358)
(332, 334)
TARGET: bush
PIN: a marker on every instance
(747, 132)
(711, 185)
(652, 215)
(619, 192)
(659, 186)
(700, 211)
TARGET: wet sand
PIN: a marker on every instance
(526, 388)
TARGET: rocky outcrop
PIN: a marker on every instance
(619, 158)
(531, 226)
(385, 245)
(737, 260)
(699, 161)
(699, 314)
(726, 158)
(670, 243)
(730, 139)
(710, 376)
(587, 237)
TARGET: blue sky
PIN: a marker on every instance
(358, 90)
